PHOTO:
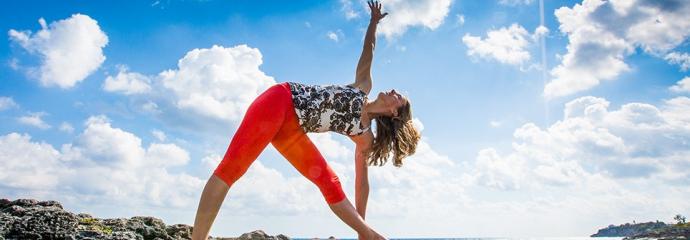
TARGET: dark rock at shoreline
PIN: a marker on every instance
(672, 232)
(649, 230)
(626, 230)
(33, 219)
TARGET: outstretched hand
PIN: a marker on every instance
(375, 7)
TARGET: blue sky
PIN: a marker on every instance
(122, 109)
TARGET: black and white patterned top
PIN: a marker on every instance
(322, 108)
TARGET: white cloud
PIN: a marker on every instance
(498, 172)
(158, 134)
(7, 103)
(505, 45)
(682, 86)
(333, 35)
(27, 164)
(127, 83)
(682, 59)
(211, 161)
(329, 146)
(540, 31)
(217, 82)
(515, 2)
(103, 164)
(166, 155)
(403, 14)
(150, 107)
(34, 119)
(66, 127)
(418, 124)
(460, 19)
(637, 141)
(602, 33)
(348, 10)
(69, 49)
(494, 123)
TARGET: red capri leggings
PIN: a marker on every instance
(272, 118)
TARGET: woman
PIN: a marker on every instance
(285, 112)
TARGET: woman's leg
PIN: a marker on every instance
(263, 119)
(294, 144)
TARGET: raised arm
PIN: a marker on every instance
(363, 74)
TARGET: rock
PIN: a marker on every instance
(627, 229)
(50, 204)
(179, 231)
(37, 222)
(148, 227)
(33, 219)
(4, 202)
(261, 235)
(25, 202)
(672, 232)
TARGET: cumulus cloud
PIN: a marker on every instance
(460, 19)
(602, 33)
(69, 49)
(35, 120)
(682, 86)
(127, 83)
(66, 127)
(681, 59)
(217, 82)
(7, 103)
(27, 164)
(404, 14)
(103, 164)
(348, 10)
(158, 134)
(335, 35)
(505, 45)
(515, 2)
(636, 141)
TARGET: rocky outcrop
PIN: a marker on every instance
(672, 232)
(626, 230)
(649, 230)
(33, 219)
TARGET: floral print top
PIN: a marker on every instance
(325, 108)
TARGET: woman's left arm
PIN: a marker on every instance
(362, 149)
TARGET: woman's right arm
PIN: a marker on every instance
(363, 73)
(211, 199)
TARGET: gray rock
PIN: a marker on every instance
(33, 219)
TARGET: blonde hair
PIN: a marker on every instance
(394, 134)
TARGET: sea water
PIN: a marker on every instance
(494, 238)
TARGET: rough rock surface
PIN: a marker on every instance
(672, 232)
(627, 229)
(33, 219)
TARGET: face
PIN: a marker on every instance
(392, 100)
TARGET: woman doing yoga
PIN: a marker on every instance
(285, 112)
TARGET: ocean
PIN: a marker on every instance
(493, 238)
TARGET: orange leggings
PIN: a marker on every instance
(272, 118)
